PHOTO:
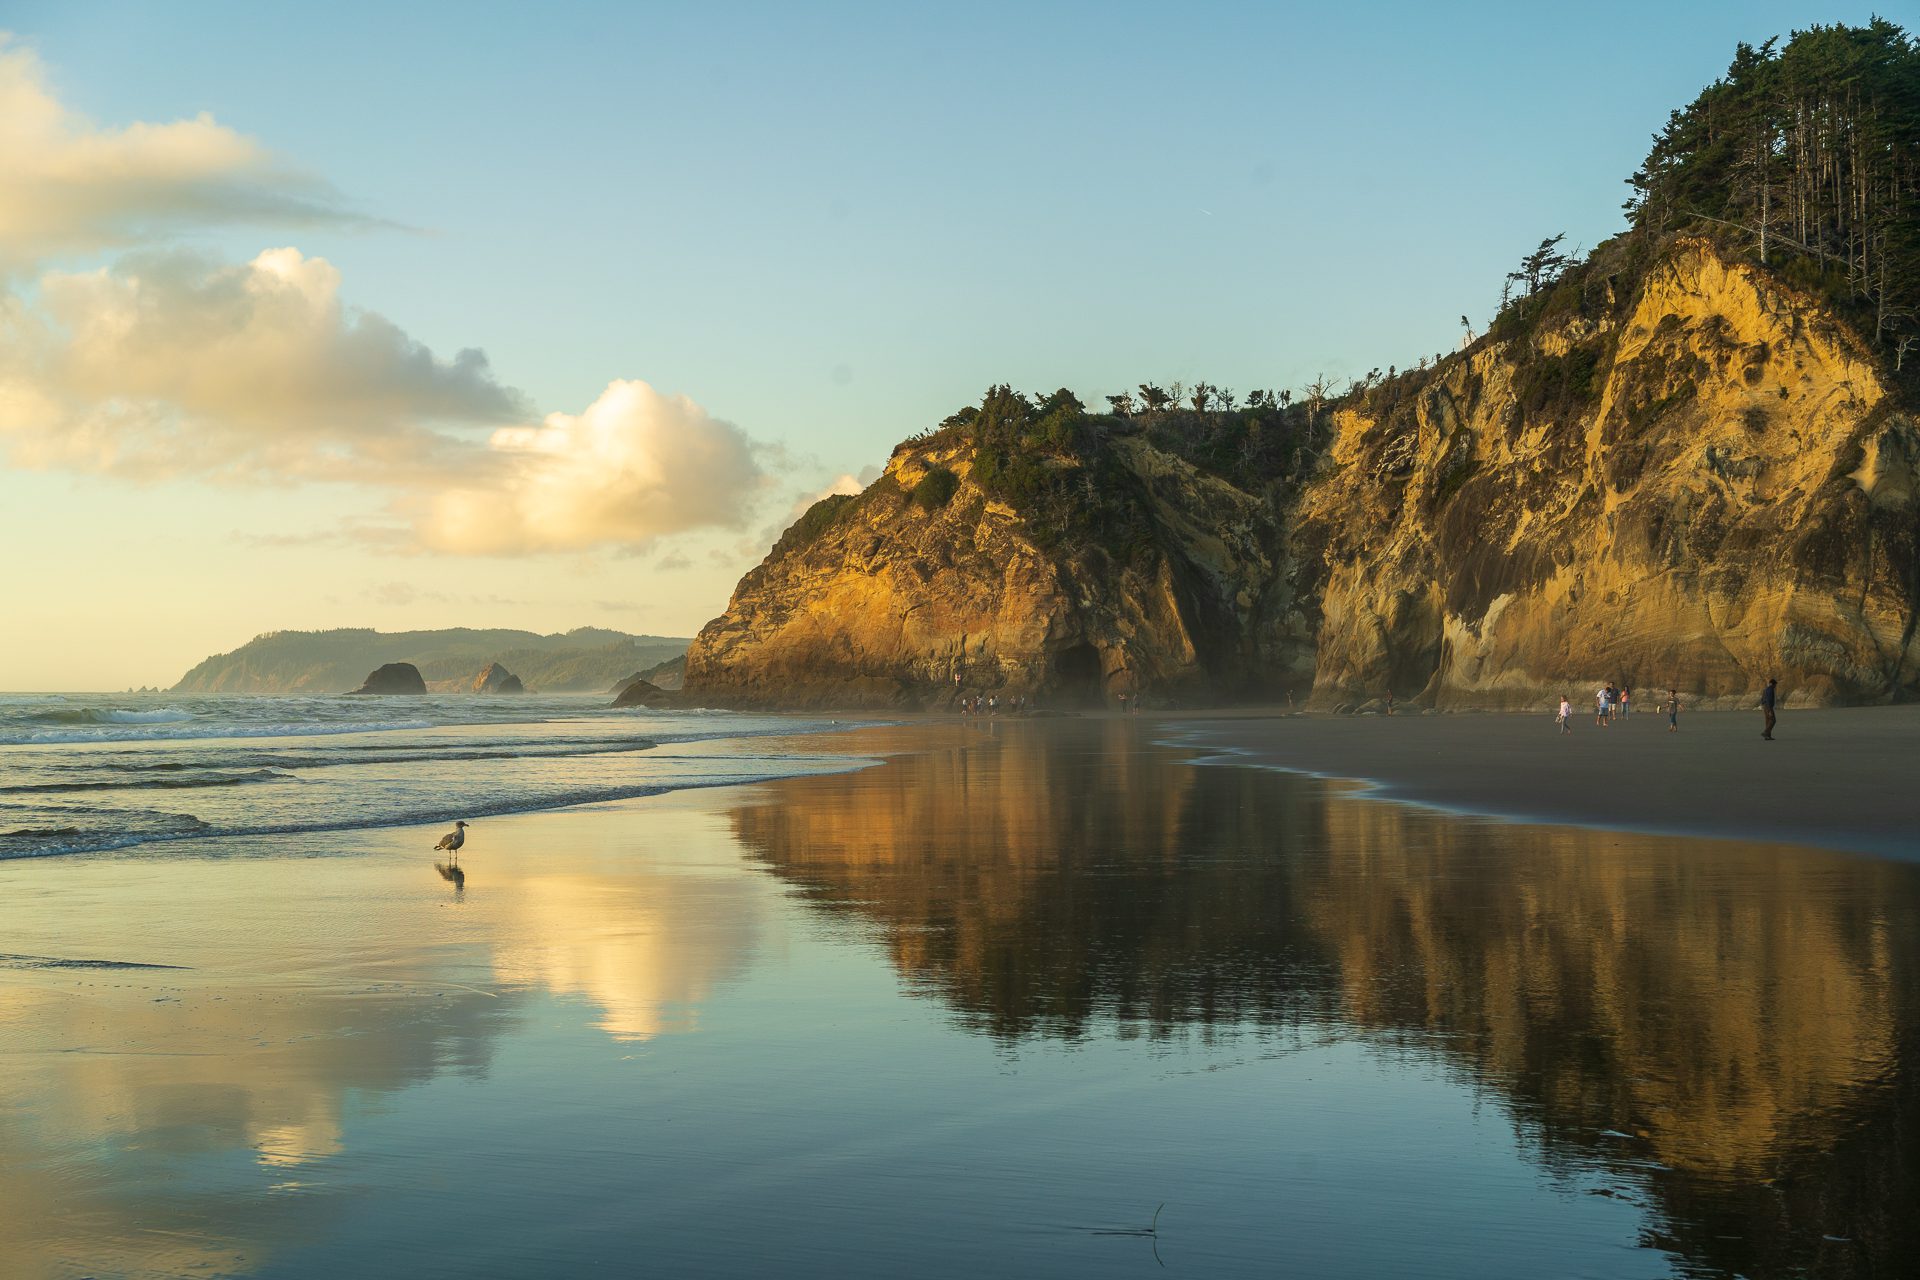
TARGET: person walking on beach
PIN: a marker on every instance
(1626, 701)
(1600, 707)
(1566, 715)
(1673, 711)
(1766, 706)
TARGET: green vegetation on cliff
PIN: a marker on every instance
(1809, 155)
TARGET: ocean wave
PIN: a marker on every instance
(116, 731)
(113, 715)
(169, 783)
(135, 827)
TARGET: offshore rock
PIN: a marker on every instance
(495, 678)
(638, 692)
(394, 677)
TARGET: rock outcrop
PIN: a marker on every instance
(1676, 470)
(641, 693)
(394, 677)
(494, 678)
(880, 600)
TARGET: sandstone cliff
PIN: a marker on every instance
(1674, 469)
(930, 586)
(1700, 483)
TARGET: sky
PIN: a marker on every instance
(552, 316)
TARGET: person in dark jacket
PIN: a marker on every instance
(1766, 706)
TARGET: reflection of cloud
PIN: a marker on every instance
(68, 185)
(647, 949)
(632, 466)
(123, 1092)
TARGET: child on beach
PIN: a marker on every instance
(1673, 711)
(1566, 715)
(1626, 701)
(1600, 707)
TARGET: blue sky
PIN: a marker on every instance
(831, 225)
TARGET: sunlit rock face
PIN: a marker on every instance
(891, 601)
(1700, 481)
(1731, 498)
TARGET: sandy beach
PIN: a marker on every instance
(1838, 778)
(988, 1005)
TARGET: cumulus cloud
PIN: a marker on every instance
(68, 185)
(634, 466)
(167, 365)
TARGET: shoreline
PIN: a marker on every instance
(1834, 779)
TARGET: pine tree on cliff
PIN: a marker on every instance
(1810, 153)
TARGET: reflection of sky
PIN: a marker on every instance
(1333, 1038)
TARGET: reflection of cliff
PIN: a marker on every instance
(182, 1084)
(1038, 889)
(1732, 1028)
(1738, 1014)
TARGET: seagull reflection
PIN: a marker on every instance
(453, 875)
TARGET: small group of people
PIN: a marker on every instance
(1610, 702)
(1130, 703)
(989, 704)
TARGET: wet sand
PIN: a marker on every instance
(981, 1009)
(1836, 779)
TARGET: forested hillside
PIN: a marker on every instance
(585, 659)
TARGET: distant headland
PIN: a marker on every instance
(454, 660)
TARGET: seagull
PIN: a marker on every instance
(452, 841)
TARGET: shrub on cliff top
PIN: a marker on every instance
(935, 489)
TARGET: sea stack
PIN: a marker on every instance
(394, 677)
(494, 678)
(640, 693)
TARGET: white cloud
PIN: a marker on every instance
(67, 185)
(634, 466)
(166, 365)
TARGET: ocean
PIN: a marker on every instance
(83, 773)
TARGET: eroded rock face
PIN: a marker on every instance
(494, 678)
(894, 604)
(1704, 486)
(394, 677)
(1733, 499)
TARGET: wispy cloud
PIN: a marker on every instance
(67, 185)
